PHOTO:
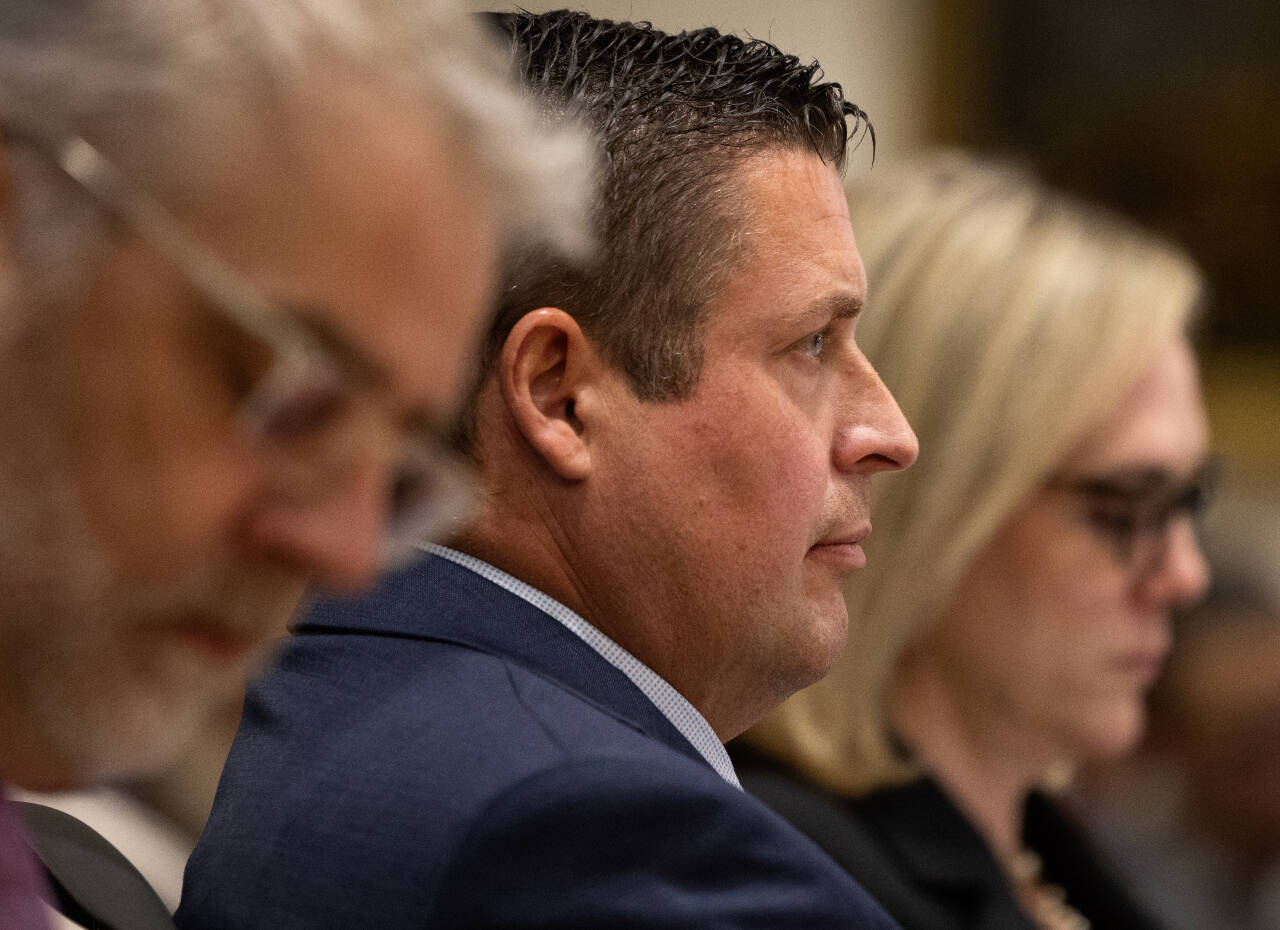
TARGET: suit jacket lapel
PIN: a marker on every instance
(437, 599)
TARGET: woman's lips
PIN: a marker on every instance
(1144, 664)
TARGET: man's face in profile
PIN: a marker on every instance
(150, 545)
(744, 505)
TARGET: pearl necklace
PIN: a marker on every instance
(1046, 903)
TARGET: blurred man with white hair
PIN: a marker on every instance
(245, 248)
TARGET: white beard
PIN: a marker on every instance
(87, 665)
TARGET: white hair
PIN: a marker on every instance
(146, 81)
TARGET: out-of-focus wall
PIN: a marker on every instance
(1242, 389)
(876, 49)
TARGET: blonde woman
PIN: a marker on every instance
(1016, 603)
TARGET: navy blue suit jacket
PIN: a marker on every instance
(443, 754)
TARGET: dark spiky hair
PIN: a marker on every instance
(673, 115)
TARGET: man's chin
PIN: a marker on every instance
(813, 648)
(830, 630)
(139, 707)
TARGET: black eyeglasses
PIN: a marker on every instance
(315, 412)
(1133, 511)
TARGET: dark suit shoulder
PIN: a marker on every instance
(668, 844)
(360, 765)
(445, 754)
(379, 782)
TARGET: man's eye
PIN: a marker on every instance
(303, 412)
(813, 344)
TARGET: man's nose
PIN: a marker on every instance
(335, 539)
(874, 435)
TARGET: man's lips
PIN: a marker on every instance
(214, 637)
(844, 550)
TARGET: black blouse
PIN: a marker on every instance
(919, 857)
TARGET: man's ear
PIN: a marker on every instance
(546, 368)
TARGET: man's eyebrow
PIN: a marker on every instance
(846, 306)
(319, 324)
(842, 305)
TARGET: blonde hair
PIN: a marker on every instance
(1007, 320)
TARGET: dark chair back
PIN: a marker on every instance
(92, 882)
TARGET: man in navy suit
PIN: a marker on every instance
(674, 448)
